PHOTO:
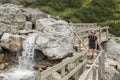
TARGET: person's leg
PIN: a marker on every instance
(93, 51)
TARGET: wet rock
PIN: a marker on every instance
(38, 56)
(55, 39)
(11, 42)
(2, 78)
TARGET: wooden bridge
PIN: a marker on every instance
(96, 70)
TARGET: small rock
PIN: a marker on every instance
(71, 66)
(28, 25)
(54, 76)
(1, 57)
(118, 67)
(2, 66)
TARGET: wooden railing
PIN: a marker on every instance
(97, 68)
(62, 66)
(80, 60)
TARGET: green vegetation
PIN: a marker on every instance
(104, 12)
(117, 39)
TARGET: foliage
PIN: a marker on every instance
(86, 11)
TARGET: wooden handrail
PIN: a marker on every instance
(57, 67)
(62, 66)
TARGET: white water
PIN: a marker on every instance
(26, 61)
(24, 70)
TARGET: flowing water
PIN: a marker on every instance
(24, 70)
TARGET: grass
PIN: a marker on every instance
(86, 3)
(117, 39)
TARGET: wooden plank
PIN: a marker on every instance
(63, 72)
(100, 33)
(88, 72)
(74, 70)
(107, 32)
(94, 72)
(100, 68)
(76, 75)
(57, 67)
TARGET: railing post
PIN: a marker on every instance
(99, 68)
(107, 32)
(94, 72)
(63, 72)
(103, 64)
(100, 33)
(76, 75)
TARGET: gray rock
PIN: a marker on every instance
(113, 49)
(11, 18)
(54, 76)
(55, 39)
(33, 14)
(11, 42)
(28, 25)
(71, 66)
(111, 73)
(2, 66)
(23, 2)
(1, 57)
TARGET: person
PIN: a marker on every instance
(92, 43)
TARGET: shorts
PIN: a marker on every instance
(92, 46)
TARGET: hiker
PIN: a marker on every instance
(92, 44)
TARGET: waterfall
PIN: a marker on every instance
(24, 70)
(26, 60)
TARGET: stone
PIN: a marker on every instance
(71, 66)
(54, 76)
(11, 18)
(28, 25)
(55, 39)
(22, 2)
(113, 49)
(111, 73)
(1, 57)
(118, 67)
(111, 62)
(38, 56)
(2, 66)
(33, 14)
(2, 77)
(11, 42)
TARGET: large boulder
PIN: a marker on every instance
(11, 42)
(11, 18)
(55, 39)
(33, 14)
(111, 73)
(23, 2)
(113, 49)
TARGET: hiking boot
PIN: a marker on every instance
(92, 56)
